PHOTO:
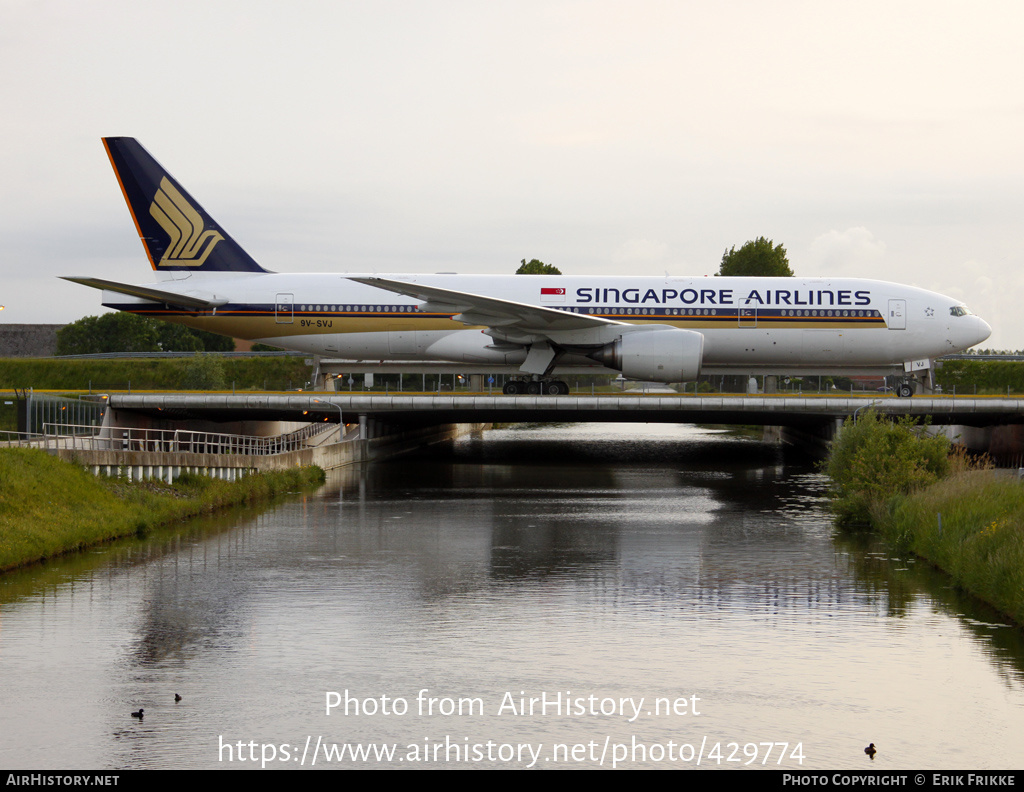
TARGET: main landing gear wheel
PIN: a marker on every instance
(514, 388)
(905, 390)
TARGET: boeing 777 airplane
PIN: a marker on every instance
(663, 329)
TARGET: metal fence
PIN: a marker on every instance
(182, 441)
(59, 412)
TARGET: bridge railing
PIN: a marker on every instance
(10, 439)
(183, 441)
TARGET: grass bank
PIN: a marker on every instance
(927, 497)
(970, 525)
(49, 507)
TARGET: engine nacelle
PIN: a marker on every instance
(664, 354)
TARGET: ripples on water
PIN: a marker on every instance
(607, 560)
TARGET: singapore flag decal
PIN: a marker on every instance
(549, 295)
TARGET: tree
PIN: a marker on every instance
(758, 257)
(176, 338)
(113, 332)
(210, 342)
(537, 267)
(126, 332)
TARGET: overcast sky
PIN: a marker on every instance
(872, 139)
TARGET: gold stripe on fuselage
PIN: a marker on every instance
(266, 324)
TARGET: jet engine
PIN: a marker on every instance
(665, 354)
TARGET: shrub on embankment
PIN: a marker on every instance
(244, 373)
(49, 507)
(925, 496)
(873, 460)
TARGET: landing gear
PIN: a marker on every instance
(535, 387)
(919, 376)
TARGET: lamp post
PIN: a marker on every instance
(862, 407)
(341, 418)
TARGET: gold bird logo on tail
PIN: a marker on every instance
(190, 244)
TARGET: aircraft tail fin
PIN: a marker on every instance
(176, 231)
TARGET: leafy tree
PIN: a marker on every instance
(758, 257)
(211, 342)
(113, 332)
(176, 338)
(126, 332)
(537, 267)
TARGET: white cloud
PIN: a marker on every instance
(855, 251)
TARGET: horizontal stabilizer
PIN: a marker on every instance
(148, 293)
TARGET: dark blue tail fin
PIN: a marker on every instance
(177, 232)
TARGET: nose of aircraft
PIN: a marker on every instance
(971, 332)
(982, 330)
(967, 331)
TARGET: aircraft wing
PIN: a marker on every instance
(506, 315)
(147, 293)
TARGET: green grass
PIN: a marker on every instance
(49, 507)
(965, 519)
(980, 540)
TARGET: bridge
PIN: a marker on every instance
(225, 434)
(420, 410)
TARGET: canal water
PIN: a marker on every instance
(572, 596)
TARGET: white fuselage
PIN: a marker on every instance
(748, 324)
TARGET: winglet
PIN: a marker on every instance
(176, 231)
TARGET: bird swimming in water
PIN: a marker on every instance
(870, 750)
(177, 697)
(138, 714)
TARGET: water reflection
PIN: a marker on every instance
(622, 561)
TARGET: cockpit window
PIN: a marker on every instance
(960, 310)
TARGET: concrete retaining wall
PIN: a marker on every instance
(167, 466)
(28, 340)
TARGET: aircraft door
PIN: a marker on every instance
(747, 316)
(284, 309)
(897, 315)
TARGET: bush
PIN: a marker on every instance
(873, 460)
(203, 372)
(276, 373)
